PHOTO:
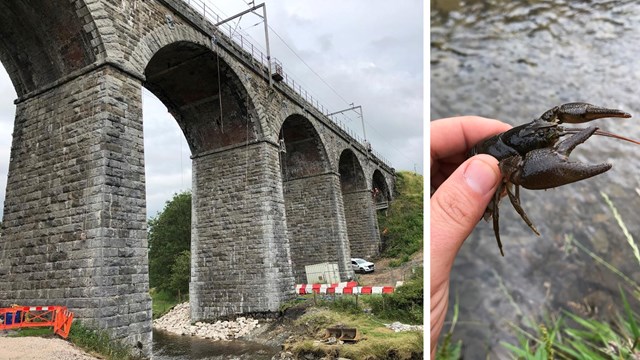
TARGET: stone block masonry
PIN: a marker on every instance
(74, 214)
(362, 224)
(316, 225)
(239, 253)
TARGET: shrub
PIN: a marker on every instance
(406, 304)
(403, 222)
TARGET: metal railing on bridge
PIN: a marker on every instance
(244, 44)
(381, 205)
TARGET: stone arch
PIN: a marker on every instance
(316, 225)
(211, 102)
(380, 189)
(159, 37)
(289, 110)
(304, 152)
(351, 172)
(204, 95)
(163, 35)
(38, 49)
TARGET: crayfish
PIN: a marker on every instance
(532, 155)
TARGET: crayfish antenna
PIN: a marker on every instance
(602, 133)
(616, 136)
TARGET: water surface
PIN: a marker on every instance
(512, 60)
(168, 346)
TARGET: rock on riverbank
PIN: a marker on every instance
(178, 321)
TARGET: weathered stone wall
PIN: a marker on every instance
(362, 224)
(316, 225)
(239, 251)
(74, 214)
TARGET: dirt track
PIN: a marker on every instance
(36, 348)
(387, 276)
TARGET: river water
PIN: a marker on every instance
(512, 60)
(167, 346)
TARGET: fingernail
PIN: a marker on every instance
(480, 176)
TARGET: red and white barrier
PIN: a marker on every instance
(342, 288)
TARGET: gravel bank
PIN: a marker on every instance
(178, 321)
(36, 348)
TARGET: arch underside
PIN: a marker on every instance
(380, 188)
(41, 42)
(204, 95)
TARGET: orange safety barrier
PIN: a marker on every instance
(57, 317)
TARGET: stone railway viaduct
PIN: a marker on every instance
(276, 184)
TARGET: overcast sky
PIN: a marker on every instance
(370, 52)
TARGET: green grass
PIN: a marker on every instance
(162, 302)
(574, 337)
(448, 349)
(402, 224)
(99, 342)
(377, 341)
(40, 332)
(571, 336)
(406, 304)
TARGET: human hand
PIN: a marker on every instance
(464, 187)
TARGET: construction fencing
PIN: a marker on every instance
(17, 317)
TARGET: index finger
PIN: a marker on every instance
(458, 135)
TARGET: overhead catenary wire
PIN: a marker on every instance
(262, 49)
(326, 83)
(308, 66)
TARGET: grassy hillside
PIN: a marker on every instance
(402, 224)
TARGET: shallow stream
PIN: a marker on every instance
(167, 346)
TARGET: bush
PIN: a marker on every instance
(403, 222)
(405, 305)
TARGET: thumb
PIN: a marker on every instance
(457, 206)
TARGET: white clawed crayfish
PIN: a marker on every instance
(532, 155)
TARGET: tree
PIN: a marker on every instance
(169, 236)
(181, 273)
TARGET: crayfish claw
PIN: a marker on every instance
(579, 112)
